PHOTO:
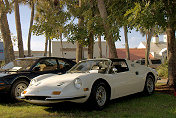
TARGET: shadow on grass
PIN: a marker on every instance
(6, 101)
(128, 98)
(67, 106)
(73, 107)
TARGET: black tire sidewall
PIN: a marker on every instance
(146, 92)
(92, 99)
(15, 84)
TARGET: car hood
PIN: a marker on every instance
(3, 74)
(53, 81)
(61, 78)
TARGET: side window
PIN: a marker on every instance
(121, 66)
(64, 65)
(46, 65)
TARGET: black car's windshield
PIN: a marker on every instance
(86, 66)
(18, 65)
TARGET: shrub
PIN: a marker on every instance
(163, 70)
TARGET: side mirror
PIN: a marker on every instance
(114, 69)
(36, 69)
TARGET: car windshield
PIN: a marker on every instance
(18, 65)
(86, 66)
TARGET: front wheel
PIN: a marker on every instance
(99, 96)
(17, 88)
(149, 85)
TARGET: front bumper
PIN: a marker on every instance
(48, 99)
(5, 88)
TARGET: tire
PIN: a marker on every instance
(149, 85)
(99, 96)
(17, 88)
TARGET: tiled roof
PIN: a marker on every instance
(156, 47)
(135, 53)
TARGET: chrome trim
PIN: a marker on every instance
(69, 98)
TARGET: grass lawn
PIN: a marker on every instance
(135, 106)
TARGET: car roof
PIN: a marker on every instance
(42, 57)
(112, 59)
(116, 59)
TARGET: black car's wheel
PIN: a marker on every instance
(99, 96)
(17, 88)
(149, 85)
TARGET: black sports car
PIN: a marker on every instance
(16, 75)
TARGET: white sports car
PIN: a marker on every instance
(96, 81)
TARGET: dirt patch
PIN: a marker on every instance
(164, 89)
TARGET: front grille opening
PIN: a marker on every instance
(36, 97)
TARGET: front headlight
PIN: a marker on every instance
(33, 81)
(78, 83)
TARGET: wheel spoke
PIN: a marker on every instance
(19, 89)
(150, 85)
(101, 96)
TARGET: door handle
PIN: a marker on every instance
(137, 73)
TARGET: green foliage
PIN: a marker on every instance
(13, 38)
(2, 63)
(163, 70)
(141, 15)
(50, 19)
(91, 22)
(6, 6)
(76, 33)
(148, 14)
(1, 36)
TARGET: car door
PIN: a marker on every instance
(124, 81)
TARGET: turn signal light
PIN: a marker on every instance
(24, 92)
(2, 88)
(56, 92)
(1, 83)
(86, 89)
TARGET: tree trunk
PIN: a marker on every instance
(61, 45)
(7, 42)
(91, 35)
(147, 50)
(30, 29)
(109, 37)
(18, 29)
(49, 47)
(46, 46)
(90, 46)
(126, 43)
(171, 56)
(99, 46)
(79, 47)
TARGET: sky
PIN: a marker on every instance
(38, 42)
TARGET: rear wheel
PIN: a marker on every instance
(17, 88)
(149, 85)
(99, 96)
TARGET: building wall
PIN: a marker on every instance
(69, 50)
(33, 53)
